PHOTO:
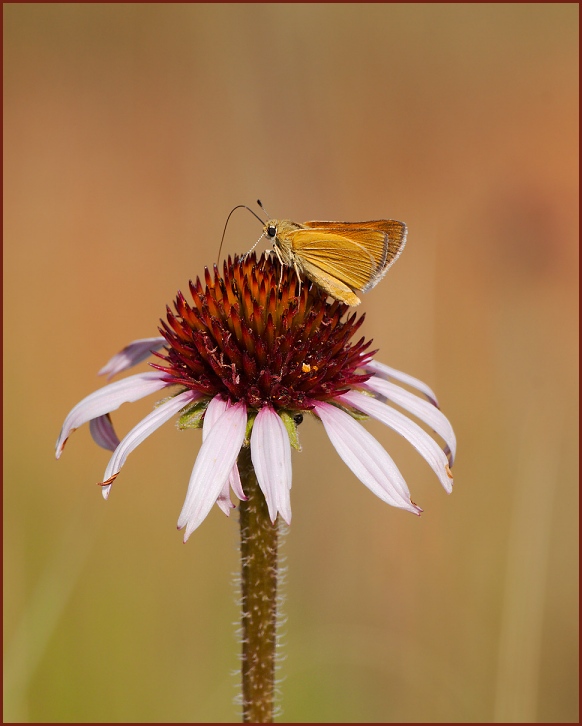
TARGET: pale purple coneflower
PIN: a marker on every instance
(253, 354)
(247, 361)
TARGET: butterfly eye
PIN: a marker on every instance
(298, 418)
(272, 230)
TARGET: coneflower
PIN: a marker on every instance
(251, 355)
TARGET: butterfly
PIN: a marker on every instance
(340, 257)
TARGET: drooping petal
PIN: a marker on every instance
(365, 457)
(107, 399)
(214, 411)
(131, 355)
(236, 484)
(139, 433)
(103, 432)
(386, 372)
(214, 463)
(271, 457)
(216, 408)
(224, 501)
(425, 411)
(422, 442)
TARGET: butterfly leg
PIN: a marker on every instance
(276, 250)
(298, 275)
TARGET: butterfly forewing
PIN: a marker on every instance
(384, 239)
(343, 258)
(395, 239)
(340, 257)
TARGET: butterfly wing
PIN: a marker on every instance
(334, 287)
(344, 259)
(383, 239)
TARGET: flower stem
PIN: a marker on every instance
(259, 597)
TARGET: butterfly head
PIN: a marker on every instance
(270, 229)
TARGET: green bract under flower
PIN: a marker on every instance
(257, 335)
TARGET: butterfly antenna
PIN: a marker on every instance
(264, 210)
(239, 206)
(253, 247)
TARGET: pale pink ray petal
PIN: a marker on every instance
(236, 484)
(214, 411)
(423, 410)
(131, 355)
(214, 463)
(224, 501)
(216, 408)
(103, 432)
(271, 457)
(422, 442)
(365, 457)
(109, 398)
(384, 371)
(139, 433)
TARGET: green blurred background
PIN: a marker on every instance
(130, 132)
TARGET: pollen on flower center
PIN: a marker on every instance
(257, 334)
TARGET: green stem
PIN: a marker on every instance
(259, 597)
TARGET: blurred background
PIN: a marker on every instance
(130, 132)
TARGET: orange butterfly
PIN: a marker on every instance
(340, 257)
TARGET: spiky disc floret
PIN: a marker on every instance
(255, 334)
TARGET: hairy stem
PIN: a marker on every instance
(259, 598)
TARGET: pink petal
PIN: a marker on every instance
(423, 410)
(131, 355)
(365, 457)
(107, 399)
(216, 408)
(271, 456)
(224, 501)
(103, 432)
(214, 463)
(422, 442)
(139, 433)
(384, 371)
(235, 483)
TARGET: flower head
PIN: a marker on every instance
(252, 354)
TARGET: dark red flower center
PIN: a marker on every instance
(258, 335)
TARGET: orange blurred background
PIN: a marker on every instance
(130, 132)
